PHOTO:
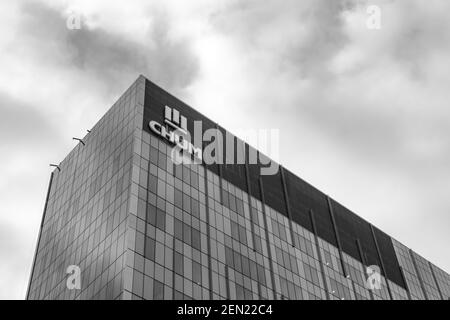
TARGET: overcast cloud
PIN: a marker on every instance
(364, 114)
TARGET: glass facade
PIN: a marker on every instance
(85, 220)
(140, 226)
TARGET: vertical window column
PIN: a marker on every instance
(263, 202)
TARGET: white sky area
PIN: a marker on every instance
(363, 114)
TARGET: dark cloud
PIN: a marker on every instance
(306, 52)
(111, 59)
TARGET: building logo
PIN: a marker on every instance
(175, 131)
(213, 143)
(173, 119)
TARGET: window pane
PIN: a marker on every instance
(258, 246)
(240, 206)
(152, 183)
(242, 235)
(151, 215)
(178, 172)
(234, 230)
(195, 208)
(160, 219)
(186, 234)
(178, 229)
(239, 292)
(178, 263)
(150, 248)
(186, 203)
(178, 198)
(158, 290)
(196, 272)
(196, 239)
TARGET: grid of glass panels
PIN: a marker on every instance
(168, 251)
(197, 237)
(87, 208)
(443, 281)
(242, 247)
(245, 260)
(409, 271)
(357, 273)
(426, 277)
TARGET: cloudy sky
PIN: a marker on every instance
(364, 113)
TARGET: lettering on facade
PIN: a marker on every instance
(175, 131)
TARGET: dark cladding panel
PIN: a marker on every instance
(155, 101)
(234, 172)
(299, 210)
(364, 234)
(389, 257)
(273, 192)
(352, 227)
(254, 174)
(347, 222)
(304, 196)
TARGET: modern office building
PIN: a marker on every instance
(138, 225)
